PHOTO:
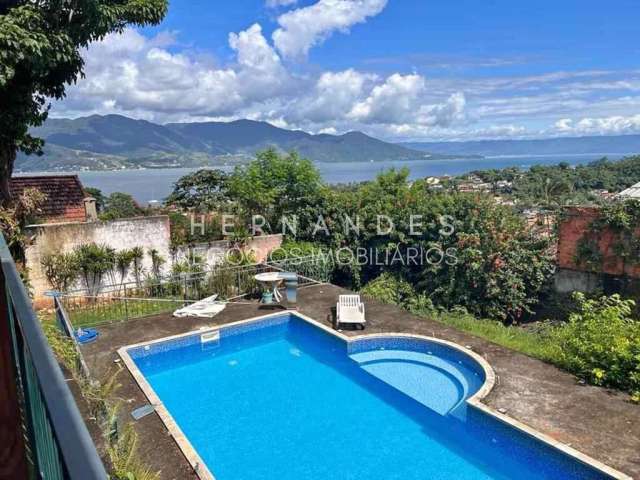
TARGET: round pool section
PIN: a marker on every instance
(435, 374)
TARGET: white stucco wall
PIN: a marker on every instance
(145, 232)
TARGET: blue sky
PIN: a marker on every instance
(396, 69)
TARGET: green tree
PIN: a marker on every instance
(157, 262)
(40, 54)
(123, 262)
(274, 185)
(137, 258)
(97, 194)
(120, 205)
(204, 190)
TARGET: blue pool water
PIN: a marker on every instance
(283, 399)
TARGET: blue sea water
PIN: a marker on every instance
(156, 184)
(287, 402)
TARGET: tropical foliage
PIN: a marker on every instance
(466, 249)
(61, 270)
(40, 54)
(95, 264)
(601, 343)
(550, 185)
(473, 252)
(15, 217)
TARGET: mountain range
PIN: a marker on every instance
(613, 144)
(113, 141)
(109, 142)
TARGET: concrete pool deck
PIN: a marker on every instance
(600, 423)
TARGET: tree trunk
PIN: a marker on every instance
(7, 160)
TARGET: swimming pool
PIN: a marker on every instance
(281, 397)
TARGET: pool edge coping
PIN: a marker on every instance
(200, 467)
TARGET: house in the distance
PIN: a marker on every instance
(630, 193)
(66, 200)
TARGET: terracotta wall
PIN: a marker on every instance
(573, 226)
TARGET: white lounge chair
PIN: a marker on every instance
(350, 310)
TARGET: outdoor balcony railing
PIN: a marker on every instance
(42, 435)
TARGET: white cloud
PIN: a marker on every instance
(305, 27)
(444, 114)
(396, 100)
(413, 132)
(159, 79)
(131, 73)
(280, 3)
(615, 125)
(147, 78)
(253, 51)
(333, 97)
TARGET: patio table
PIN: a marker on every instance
(273, 278)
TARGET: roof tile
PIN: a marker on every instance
(65, 196)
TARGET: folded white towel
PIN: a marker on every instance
(205, 308)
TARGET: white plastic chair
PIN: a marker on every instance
(350, 310)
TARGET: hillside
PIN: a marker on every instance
(113, 141)
(614, 144)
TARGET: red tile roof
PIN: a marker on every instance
(65, 196)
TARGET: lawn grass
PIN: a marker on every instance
(107, 311)
(533, 342)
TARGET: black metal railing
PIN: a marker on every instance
(49, 439)
(122, 302)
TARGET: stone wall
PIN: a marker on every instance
(567, 281)
(145, 232)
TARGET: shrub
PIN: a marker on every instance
(94, 262)
(123, 455)
(293, 249)
(391, 289)
(601, 343)
(62, 346)
(61, 270)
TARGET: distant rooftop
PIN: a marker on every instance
(631, 192)
(65, 196)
